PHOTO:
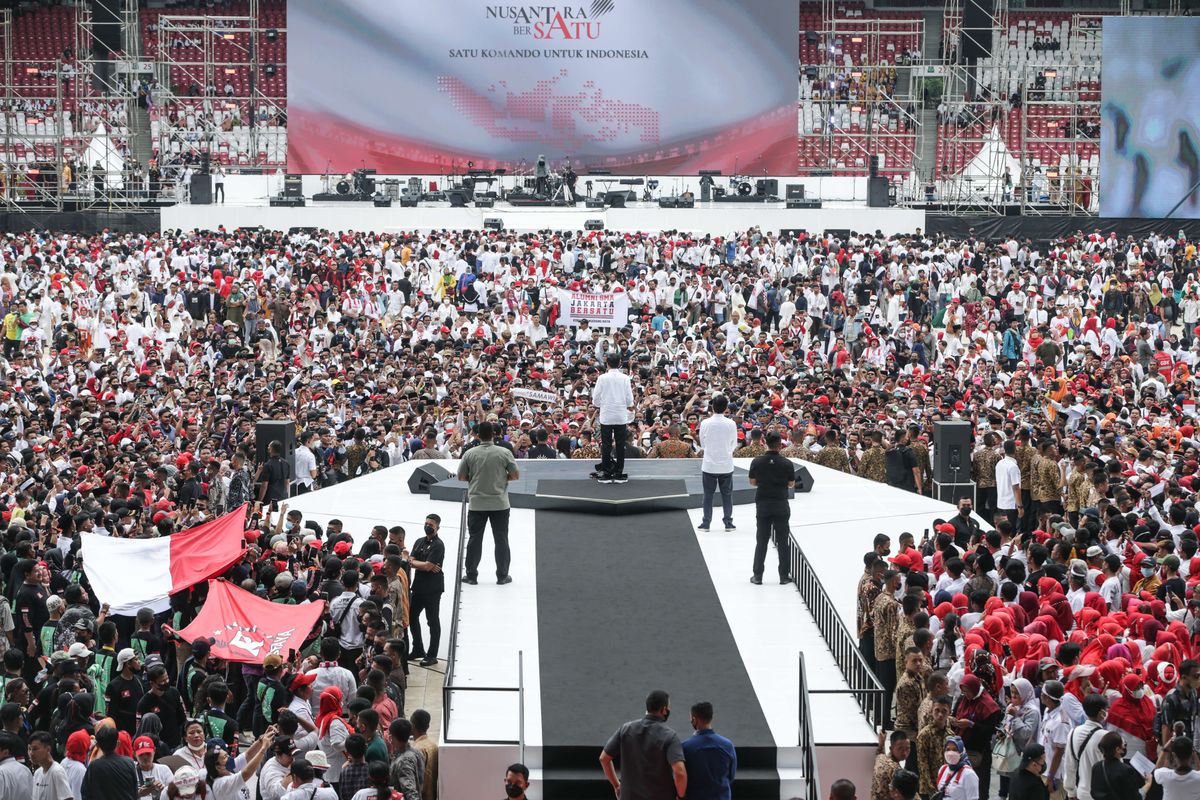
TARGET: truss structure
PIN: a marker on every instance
(857, 101)
(53, 108)
(198, 57)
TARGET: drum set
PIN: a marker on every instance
(360, 182)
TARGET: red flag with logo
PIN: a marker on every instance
(244, 627)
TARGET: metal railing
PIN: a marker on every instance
(808, 746)
(448, 686)
(865, 687)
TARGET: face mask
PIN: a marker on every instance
(1148, 571)
(429, 531)
(666, 714)
(953, 757)
(966, 512)
(1138, 694)
(512, 790)
(287, 526)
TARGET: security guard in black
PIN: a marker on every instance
(772, 475)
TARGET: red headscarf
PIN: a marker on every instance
(330, 709)
(976, 704)
(1134, 715)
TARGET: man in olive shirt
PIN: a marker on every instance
(487, 469)
(772, 475)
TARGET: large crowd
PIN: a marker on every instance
(135, 369)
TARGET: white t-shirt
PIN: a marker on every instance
(1110, 590)
(718, 437)
(306, 462)
(51, 784)
(1176, 786)
(1008, 475)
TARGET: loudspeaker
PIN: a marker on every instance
(275, 430)
(593, 202)
(494, 223)
(615, 199)
(951, 452)
(804, 479)
(457, 197)
(953, 492)
(292, 186)
(425, 476)
(201, 190)
(381, 201)
(280, 201)
(484, 202)
(977, 23)
(766, 187)
(874, 166)
(877, 192)
(593, 225)
(408, 202)
(803, 204)
(838, 233)
(795, 191)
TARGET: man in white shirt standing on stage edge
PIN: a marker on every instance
(306, 464)
(613, 395)
(718, 438)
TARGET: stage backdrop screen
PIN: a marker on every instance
(636, 86)
(1150, 107)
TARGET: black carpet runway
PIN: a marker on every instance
(626, 605)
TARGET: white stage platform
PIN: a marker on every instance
(770, 624)
(718, 219)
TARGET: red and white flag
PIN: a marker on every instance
(129, 574)
(244, 627)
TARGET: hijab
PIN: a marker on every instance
(964, 761)
(330, 709)
(1134, 715)
(975, 704)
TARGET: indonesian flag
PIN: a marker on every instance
(244, 627)
(130, 574)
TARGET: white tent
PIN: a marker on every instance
(100, 150)
(986, 169)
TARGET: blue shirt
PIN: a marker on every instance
(711, 766)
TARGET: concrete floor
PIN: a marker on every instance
(425, 691)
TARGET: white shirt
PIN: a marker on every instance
(306, 792)
(613, 395)
(1176, 786)
(306, 463)
(75, 772)
(15, 779)
(52, 784)
(1110, 590)
(1008, 475)
(718, 437)
(963, 785)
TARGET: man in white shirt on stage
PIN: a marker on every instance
(613, 396)
(306, 464)
(718, 438)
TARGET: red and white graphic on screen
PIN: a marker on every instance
(576, 118)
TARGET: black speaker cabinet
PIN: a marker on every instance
(615, 199)
(795, 191)
(804, 479)
(427, 475)
(201, 189)
(275, 430)
(877, 192)
(951, 452)
(766, 187)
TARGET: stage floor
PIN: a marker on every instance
(706, 218)
(768, 625)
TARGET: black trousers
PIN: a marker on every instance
(866, 646)
(219, 191)
(612, 448)
(431, 604)
(1029, 521)
(885, 670)
(476, 521)
(772, 517)
(987, 504)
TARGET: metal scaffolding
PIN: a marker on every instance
(198, 56)
(857, 101)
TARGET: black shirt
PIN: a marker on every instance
(1115, 780)
(772, 472)
(111, 777)
(542, 451)
(170, 711)
(275, 474)
(123, 696)
(900, 464)
(31, 613)
(434, 551)
(1174, 585)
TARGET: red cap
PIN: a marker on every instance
(143, 744)
(303, 679)
(342, 548)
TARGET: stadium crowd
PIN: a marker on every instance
(136, 367)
